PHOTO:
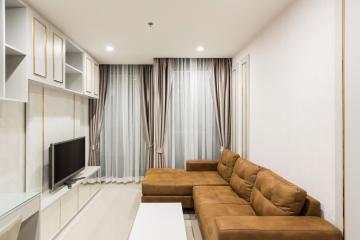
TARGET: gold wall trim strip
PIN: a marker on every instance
(343, 96)
(74, 116)
(43, 135)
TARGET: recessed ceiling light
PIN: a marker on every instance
(109, 48)
(200, 49)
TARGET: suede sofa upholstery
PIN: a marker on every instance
(254, 203)
(176, 185)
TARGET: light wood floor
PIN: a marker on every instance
(111, 213)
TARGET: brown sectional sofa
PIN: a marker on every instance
(236, 199)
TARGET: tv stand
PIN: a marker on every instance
(59, 207)
(70, 182)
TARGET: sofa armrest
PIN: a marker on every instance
(274, 228)
(201, 165)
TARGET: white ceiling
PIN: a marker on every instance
(223, 27)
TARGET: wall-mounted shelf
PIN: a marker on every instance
(73, 67)
(72, 70)
(10, 50)
(13, 81)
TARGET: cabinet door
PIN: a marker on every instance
(50, 221)
(89, 75)
(69, 206)
(96, 79)
(39, 45)
(58, 58)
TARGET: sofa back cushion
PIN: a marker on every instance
(243, 178)
(226, 164)
(274, 196)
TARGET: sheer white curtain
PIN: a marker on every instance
(191, 125)
(122, 148)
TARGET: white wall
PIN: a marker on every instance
(352, 116)
(295, 99)
(12, 146)
(49, 116)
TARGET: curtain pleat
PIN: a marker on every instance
(221, 93)
(96, 113)
(147, 110)
(122, 148)
(162, 92)
(191, 131)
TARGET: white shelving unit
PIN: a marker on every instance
(73, 67)
(33, 49)
(14, 86)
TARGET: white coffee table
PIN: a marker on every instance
(159, 221)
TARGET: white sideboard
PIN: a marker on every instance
(33, 49)
(59, 207)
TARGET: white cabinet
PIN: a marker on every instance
(89, 65)
(40, 31)
(58, 57)
(50, 217)
(84, 194)
(91, 77)
(60, 207)
(31, 48)
(47, 47)
(69, 206)
(96, 80)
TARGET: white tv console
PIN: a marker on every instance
(58, 208)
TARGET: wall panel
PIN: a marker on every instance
(12, 146)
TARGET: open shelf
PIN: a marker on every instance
(72, 70)
(74, 56)
(13, 4)
(73, 67)
(14, 85)
(10, 50)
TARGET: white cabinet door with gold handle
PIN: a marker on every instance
(89, 72)
(39, 48)
(96, 79)
(57, 58)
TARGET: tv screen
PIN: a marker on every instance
(66, 160)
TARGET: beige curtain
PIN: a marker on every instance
(96, 112)
(162, 91)
(147, 111)
(220, 82)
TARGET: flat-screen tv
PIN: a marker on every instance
(66, 160)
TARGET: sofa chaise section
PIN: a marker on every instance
(176, 185)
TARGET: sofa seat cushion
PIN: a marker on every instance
(243, 178)
(211, 178)
(207, 214)
(274, 196)
(177, 182)
(215, 194)
(227, 163)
